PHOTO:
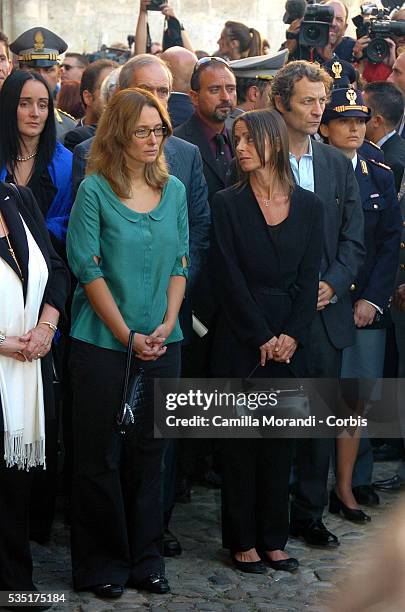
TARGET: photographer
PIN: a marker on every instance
(174, 34)
(337, 45)
(379, 39)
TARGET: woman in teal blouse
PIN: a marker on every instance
(128, 247)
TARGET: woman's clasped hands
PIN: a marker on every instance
(150, 348)
(279, 349)
(35, 344)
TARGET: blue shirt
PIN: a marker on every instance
(304, 169)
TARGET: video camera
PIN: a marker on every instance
(314, 31)
(377, 27)
(115, 54)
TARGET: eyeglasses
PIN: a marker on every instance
(142, 133)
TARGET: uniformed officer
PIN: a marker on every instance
(253, 81)
(39, 49)
(344, 125)
(344, 76)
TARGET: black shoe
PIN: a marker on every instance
(365, 495)
(388, 484)
(250, 567)
(314, 533)
(109, 591)
(386, 452)
(155, 583)
(283, 565)
(351, 514)
(171, 545)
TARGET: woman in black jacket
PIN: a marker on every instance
(34, 286)
(266, 252)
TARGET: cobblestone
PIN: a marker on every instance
(202, 578)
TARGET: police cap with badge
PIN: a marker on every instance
(262, 67)
(342, 72)
(38, 48)
(345, 102)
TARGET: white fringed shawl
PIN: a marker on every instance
(21, 382)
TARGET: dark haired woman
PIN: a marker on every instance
(128, 247)
(34, 284)
(267, 292)
(237, 41)
(29, 153)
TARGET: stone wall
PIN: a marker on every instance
(85, 24)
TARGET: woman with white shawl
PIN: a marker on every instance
(34, 285)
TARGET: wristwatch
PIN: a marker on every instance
(2, 338)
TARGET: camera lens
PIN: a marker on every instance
(377, 50)
(312, 32)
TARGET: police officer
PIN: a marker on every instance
(344, 76)
(344, 125)
(39, 49)
(253, 81)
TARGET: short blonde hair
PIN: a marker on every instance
(114, 135)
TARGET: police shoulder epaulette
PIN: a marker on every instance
(61, 112)
(380, 164)
(373, 144)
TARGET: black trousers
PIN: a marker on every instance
(255, 493)
(117, 517)
(312, 455)
(17, 490)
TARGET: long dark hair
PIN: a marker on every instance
(10, 138)
(268, 126)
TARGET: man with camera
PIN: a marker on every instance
(318, 35)
(173, 35)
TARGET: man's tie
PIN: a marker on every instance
(221, 156)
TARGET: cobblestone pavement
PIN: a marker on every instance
(203, 578)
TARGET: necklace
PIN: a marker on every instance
(10, 248)
(23, 159)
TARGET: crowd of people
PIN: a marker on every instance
(255, 196)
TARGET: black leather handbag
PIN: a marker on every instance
(134, 394)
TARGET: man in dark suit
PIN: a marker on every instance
(184, 161)
(299, 93)
(213, 94)
(387, 108)
(181, 62)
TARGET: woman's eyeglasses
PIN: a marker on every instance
(142, 133)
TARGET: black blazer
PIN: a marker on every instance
(57, 288)
(343, 229)
(192, 132)
(394, 155)
(262, 290)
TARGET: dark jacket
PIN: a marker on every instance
(77, 135)
(343, 228)
(382, 234)
(394, 156)
(180, 108)
(262, 289)
(191, 131)
(57, 288)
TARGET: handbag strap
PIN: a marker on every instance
(128, 364)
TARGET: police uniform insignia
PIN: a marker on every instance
(39, 41)
(380, 165)
(351, 95)
(363, 166)
(337, 70)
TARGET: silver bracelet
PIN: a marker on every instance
(2, 338)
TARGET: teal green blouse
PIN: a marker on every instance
(138, 252)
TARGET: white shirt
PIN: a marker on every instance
(303, 169)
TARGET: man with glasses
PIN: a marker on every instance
(73, 67)
(39, 49)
